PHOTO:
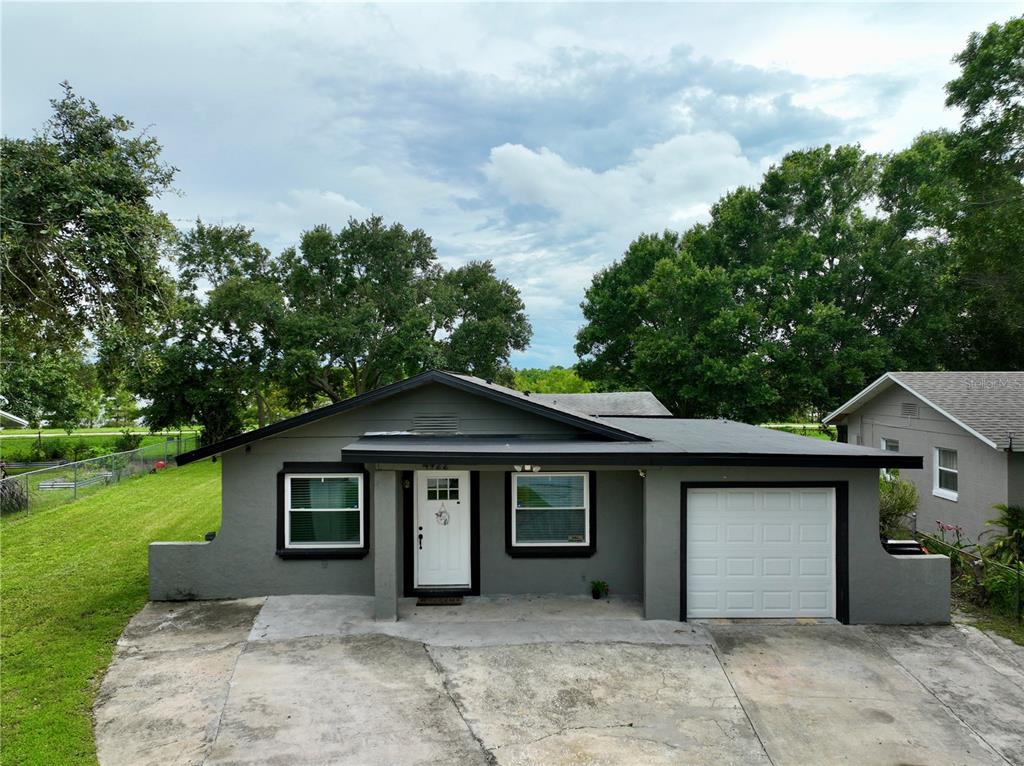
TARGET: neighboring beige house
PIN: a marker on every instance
(968, 427)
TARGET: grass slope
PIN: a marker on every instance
(71, 577)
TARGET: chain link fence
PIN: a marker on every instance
(45, 487)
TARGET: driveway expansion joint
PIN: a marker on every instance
(942, 702)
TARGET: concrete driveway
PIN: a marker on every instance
(313, 680)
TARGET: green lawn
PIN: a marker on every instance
(71, 577)
(16, 448)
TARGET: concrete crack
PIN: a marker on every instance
(564, 729)
(489, 757)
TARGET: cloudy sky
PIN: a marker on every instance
(542, 137)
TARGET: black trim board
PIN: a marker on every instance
(552, 551)
(842, 533)
(431, 376)
(323, 553)
(408, 479)
(783, 460)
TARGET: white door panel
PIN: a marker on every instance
(441, 538)
(760, 553)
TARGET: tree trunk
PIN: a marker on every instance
(261, 409)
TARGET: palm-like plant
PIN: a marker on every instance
(1007, 547)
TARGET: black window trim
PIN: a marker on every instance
(314, 469)
(552, 551)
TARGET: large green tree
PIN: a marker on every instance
(795, 293)
(217, 355)
(551, 380)
(370, 304)
(80, 248)
(987, 225)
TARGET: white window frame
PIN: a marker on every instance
(881, 444)
(586, 510)
(288, 511)
(936, 489)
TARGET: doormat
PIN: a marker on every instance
(439, 601)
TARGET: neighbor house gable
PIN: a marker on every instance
(889, 381)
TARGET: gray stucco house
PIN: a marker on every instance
(448, 484)
(968, 426)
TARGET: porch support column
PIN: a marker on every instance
(385, 545)
(661, 544)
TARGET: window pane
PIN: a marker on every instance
(316, 492)
(324, 527)
(542, 491)
(431, 494)
(550, 526)
(947, 480)
(947, 458)
(453, 489)
(892, 445)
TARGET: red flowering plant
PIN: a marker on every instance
(957, 547)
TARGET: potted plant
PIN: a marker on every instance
(598, 588)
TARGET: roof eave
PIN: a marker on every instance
(780, 460)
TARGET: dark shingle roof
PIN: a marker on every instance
(611, 404)
(673, 441)
(989, 404)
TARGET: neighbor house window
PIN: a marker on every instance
(947, 477)
(550, 509)
(323, 510)
(889, 445)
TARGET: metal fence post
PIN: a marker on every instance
(74, 491)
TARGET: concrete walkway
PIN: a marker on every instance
(314, 680)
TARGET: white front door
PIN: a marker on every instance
(441, 530)
(760, 552)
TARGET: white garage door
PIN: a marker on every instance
(760, 552)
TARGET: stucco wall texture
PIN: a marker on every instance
(638, 526)
(986, 475)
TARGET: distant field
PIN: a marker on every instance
(24, 433)
(71, 577)
(813, 430)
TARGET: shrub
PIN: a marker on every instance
(127, 441)
(1005, 546)
(897, 500)
(1001, 588)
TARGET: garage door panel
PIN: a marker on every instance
(777, 533)
(739, 533)
(772, 567)
(777, 601)
(814, 533)
(760, 553)
(739, 567)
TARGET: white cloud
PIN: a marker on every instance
(543, 137)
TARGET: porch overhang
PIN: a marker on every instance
(448, 450)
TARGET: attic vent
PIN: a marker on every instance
(909, 410)
(443, 423)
